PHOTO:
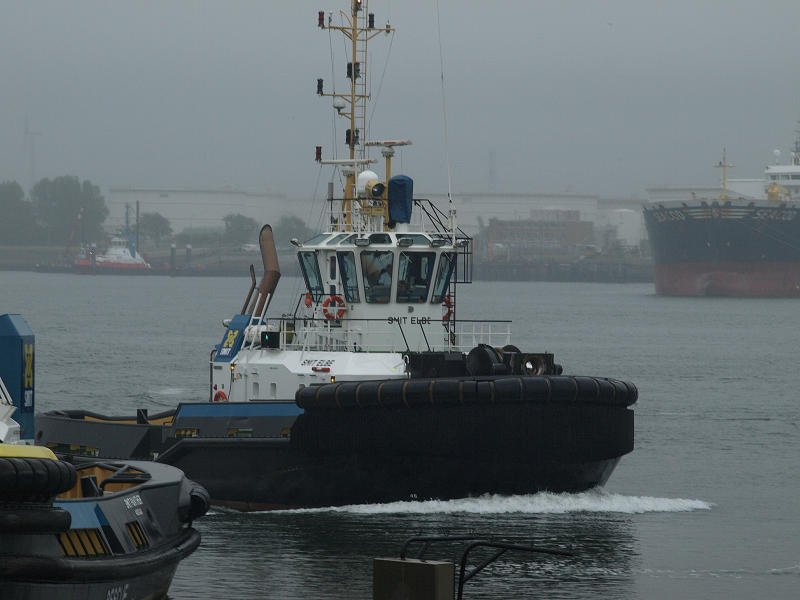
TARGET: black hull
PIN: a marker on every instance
(146, 575)
(725, 250)
(383, 441)
(264, 475)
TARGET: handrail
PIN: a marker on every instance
(380, 320)
(502, 547)
(321, 334)
(464, 576)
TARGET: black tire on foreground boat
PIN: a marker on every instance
(25, 478)
(31, 518)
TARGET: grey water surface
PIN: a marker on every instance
(706, 506)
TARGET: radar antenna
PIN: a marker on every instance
(359, 27)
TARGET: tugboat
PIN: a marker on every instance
(83, 527)
(371, 389)
(121, 258)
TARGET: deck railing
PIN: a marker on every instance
(669, 212)
(379, 335)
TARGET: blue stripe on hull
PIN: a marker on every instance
(239, 409)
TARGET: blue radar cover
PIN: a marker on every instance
(401, 194)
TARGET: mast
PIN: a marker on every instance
(796, 148)
(359, 28)
(723, 164)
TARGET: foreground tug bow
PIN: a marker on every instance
(371, 390)
(87, 528)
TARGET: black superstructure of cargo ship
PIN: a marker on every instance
(730, 245)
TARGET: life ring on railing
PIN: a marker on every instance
(449, 304)
(220, 396)
(335, 301)
(308, 298)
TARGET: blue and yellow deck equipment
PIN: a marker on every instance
(17, 356)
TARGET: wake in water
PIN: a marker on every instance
(170, 391)
(593, 501)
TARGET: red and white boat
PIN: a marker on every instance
(120, 258)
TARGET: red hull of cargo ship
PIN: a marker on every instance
(728, 279)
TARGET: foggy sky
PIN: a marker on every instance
(605, 97)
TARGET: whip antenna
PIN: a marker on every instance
(452, 211)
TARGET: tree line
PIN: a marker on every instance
(56, 209)
(66, 211)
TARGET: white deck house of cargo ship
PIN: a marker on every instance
(786, 176)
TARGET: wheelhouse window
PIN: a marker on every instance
(317, 239)
(310, 269)
(377, 266)
(417, 239)
(347, 269)
(336, 239)
(446, 263)
(349, 239)
(380, 238)
(414, 273)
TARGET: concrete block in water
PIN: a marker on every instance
(410, 579)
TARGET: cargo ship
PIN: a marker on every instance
(732, 245)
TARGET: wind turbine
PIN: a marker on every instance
(30, 135)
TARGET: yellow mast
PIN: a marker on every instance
(723, 164)
(359, 28)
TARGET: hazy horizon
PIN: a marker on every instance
(606, 98)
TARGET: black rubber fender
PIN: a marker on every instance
(346, 394)
(25, 478)
(326, 394)
(456, 391)
(391, 392)
(31, 519)
(468, 391)
(607, 392)
(563, 389)
(367, 394)
(445, 392)
(537, 389)
(418, 392)
(510, 389)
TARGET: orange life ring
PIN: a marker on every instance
(449, 304)
(336, 301)
(220, 396)
(308, 298)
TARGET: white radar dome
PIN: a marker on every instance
(363, 178)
